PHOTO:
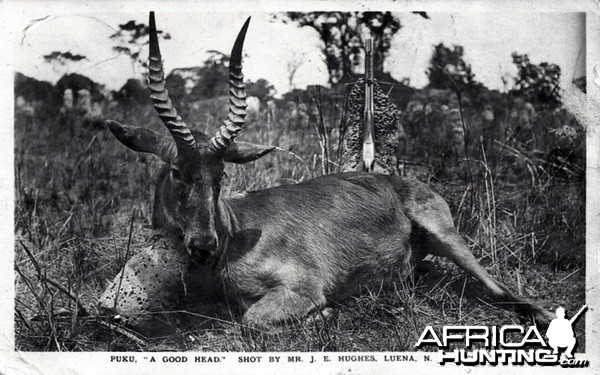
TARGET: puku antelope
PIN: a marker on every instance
(287, 251)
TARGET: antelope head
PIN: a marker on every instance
(187, 196)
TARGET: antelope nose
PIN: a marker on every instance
(206, 242)
(200, 247)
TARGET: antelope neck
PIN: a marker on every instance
(225, 227)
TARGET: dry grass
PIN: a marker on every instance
(76, 189)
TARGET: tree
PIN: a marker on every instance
(262, 89)
(448, 69)
(537, 83)
(41, 92)
(213, 77)
(131, 38)
(342, 36)
(133, 92)
(211, 80)
(175, 84)
(77, 82)
(62, 59)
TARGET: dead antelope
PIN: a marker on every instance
(287, 251)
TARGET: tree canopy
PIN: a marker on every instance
(130, 39)
(537, 82)
(448, 69)
(342, 34)
(63, 57)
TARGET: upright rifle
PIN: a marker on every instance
(368, 146)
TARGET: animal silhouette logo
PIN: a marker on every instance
(560, 332)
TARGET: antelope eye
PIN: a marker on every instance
(176, 174)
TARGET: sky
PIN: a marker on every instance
(488, 38)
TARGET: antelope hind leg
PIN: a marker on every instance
(441, 238)
(452, 246)
(281, 305)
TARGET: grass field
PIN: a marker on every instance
(78, 189)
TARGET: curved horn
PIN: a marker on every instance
(160, 96)
(237, 98)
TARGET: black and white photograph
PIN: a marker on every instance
(320, 187)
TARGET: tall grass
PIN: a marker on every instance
(76, 188)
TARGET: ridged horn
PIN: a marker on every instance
(160, 96)
(237, 98)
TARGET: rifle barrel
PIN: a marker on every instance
(368, 154)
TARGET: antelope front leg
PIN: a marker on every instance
(281, 305)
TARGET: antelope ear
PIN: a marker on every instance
(144, 140)
(244, 152)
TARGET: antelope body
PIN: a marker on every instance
(289, 250)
